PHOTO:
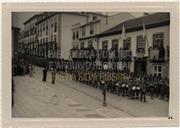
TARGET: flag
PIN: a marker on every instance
(144, 31)
(145, 37)
(106, 17)
(123, 32)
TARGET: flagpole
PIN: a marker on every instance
(144, 29)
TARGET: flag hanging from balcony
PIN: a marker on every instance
(145, 37)
(144, 32)
(123, 32)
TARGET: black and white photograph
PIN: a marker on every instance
(90, 64)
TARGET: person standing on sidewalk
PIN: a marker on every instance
(44, 74)
(30, 70)
(53, 76)
(143, 93)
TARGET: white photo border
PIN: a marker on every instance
(9, 122)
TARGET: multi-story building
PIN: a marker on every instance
(30, 35)
(87, 39)
(140, 45)
(147, 38)
(54, 30)
(21, 42)
(88, 31)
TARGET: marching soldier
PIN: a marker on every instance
(151, 89)
(143, 93)
(53, 73)
(126, 89)
(123, 88)
(163, 88)
(104, 92)
(138, 90)
(130, 93)
(44, 74)
(133, 90)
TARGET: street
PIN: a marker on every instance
(71, 99)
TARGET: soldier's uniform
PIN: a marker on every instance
(53, 76)
(151, 89)
(138, 90)
(143, 93)
(123, 88)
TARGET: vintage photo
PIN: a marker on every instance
(90, 64)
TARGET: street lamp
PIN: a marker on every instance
(105, 66)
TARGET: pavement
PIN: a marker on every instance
(71, 99)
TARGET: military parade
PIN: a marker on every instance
(127, 61)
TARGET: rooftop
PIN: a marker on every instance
(152, 20)
(31, 18)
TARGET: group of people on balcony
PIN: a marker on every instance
(159, 53)
(91, 53)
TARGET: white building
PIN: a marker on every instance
(55, 31)
(88, 32)
(30, 35)
(150, 54)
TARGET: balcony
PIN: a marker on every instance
(104, 55)
(83, 54)
(158, 55)
(125, 55)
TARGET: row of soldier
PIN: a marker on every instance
(135, 86)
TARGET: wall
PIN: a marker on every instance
(133, 35)
(114, 20)
(67, 21)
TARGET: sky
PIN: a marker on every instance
(18, 18)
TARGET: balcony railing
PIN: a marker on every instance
(159, 55)
(102, 54)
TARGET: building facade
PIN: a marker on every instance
(139, 45)
(89, 31)
(49, 34)
(147, 38)
(30, 35)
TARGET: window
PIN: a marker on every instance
(41, 29)
(43, 40)
(127, 44)
(83, 31)
(90, 44)
(140, 44)
(51, 22)
(46, 27)
(46, 24)
(43, 26)
(91, 29)
(55, 20)
(82, 45)
(37, 30)
(157, 70)
(55, 38)
(158, 40)
(73, 35)
(77, 34)
(105, 44)
(55, 27)
(115, 44)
